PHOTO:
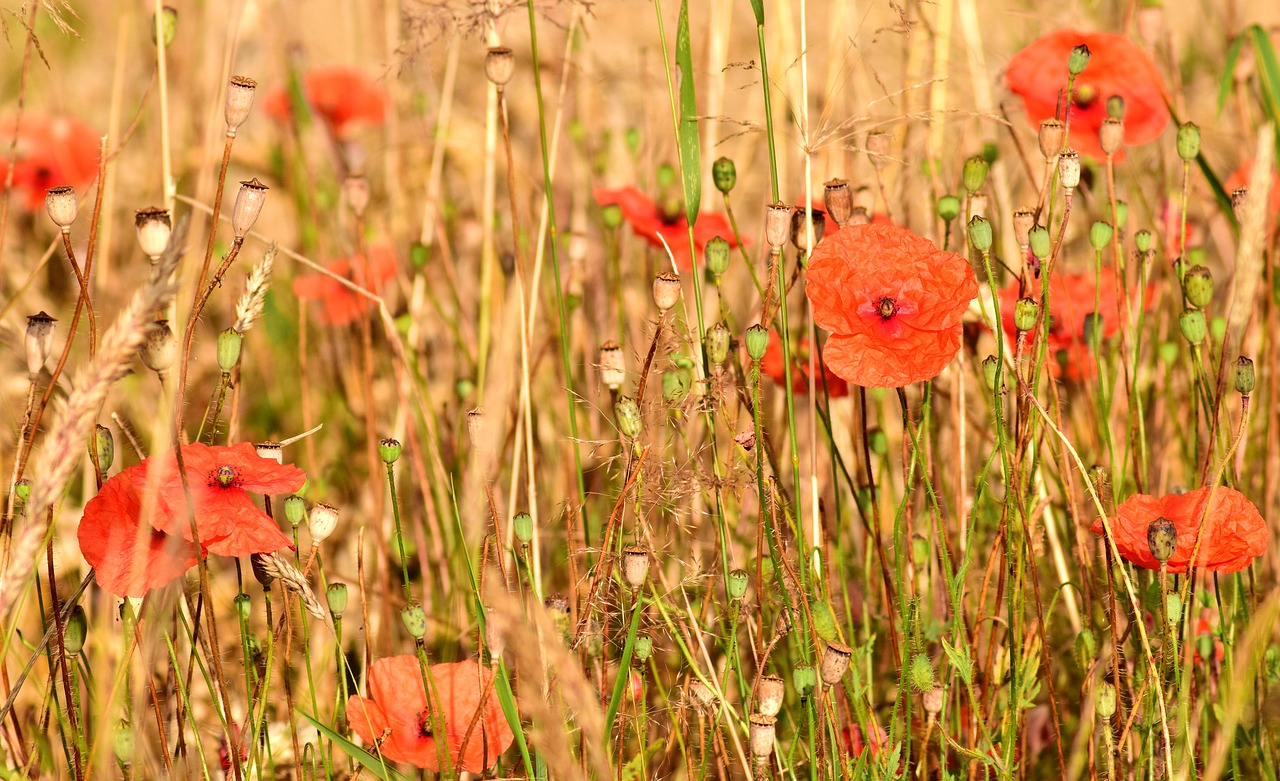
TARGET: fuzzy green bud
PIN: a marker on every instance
(122, 742)
(717, 256)
(824, 621)
(1106, 701)
(725, 174)
(1197, 286)
(1162, 539)
(1026, 313)
(1039, 240)
(337, 598)
(1078, 60)
(295, 509)
(1188, 142)
(104, 444)
(627, 412)
(974, 173)
(804, 679)
(522, 525)
(1100, 235)
(415, 620)
(229, 342)
(920, 674)
(980, 234)
(757, 341)
(75, 631)
(1193, 326)
(990, 369)
(644, 645)
(1246, 378)
(1173, 607)
(737, 584)
(948, 207)
(1086, 647)
(1142, 240)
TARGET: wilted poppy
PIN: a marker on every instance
(341, 96)
(1234, 533)
(220, 479)
(108, 536)
(771, 364)
(649, 221)
(892, 302)
(398, 702)
(341, 304)
(1117, 67)
(50, 152)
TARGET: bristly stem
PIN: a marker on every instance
(395, 512)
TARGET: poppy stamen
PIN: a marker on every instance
(224, 477)
(887, 307)
(424, 723)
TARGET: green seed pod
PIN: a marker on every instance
(1168, 352)
(1100, 235)
(337, 598)
(631, 137)
(1039, 238)
(804, 679)
(1142, 240)
(1026, 313)
(878, 440)
(717, 255)
(1162, 539)
(974, 173)
(1197, 286)
(1204, 647)
(990, 366)
(1188, 142)
(22, 489)
(1106, 700)
(1122, 214)
(75, 631)
(1218, 328)
(1078, 60)
(168, 25)
(737, 584)
(1246, 379)
(1086, 648)
(627, 413)
(1173, 607)
(415, 620)
(980, 234)
(1115, 107)
(295, 509)
(920, 674)
(757, 341)
(611, 216)
(824, 621)
(644, 644)
(725, 174)
(122, 742)
(717, 344)
(948, 207)
(1193, 326)
(389, 450)
(522, 525)
(229, 342)
(244, 608)
(105, 445)
(920, 550)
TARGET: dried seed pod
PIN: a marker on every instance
(837, 196)
(799, 233)
(762, 735)
(1111, 135)
(635, 566)
(38, 341)
(770, 692)
(321, 521)
(613, 365)
(666, 291)
(1069, 169)
(777, 225)
(153, 228)
(161, 348)
(249, 201)
(270, 451)
(60, 203)
(499, 65)
(239, 101)
(1052, 134)
(835, 662)
(476, 426)
(700, 695)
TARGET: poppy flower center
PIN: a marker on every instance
(887, 307)
(224, 477)
(424, 723)
(1085, 95)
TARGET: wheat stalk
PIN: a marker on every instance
(292, 579)
(249, 307)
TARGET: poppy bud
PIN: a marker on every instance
(835, 662)
(948, 207)
(1218, 328)
(499, 65)
(635, 566)
(1086, 647)
(1038, 239)
(717, 344)
(974, 173)
(666, 291)
(934, 699)
(22, 489)
(356, 190)
(823, 620)
(611, 215)
(1142, 240)
(737, 584)
(799, 233)
(1197, 285)
(239, 101)
(1173, 607)
(804, 679)
(244, 608)
(104, 445)
(229, 342)
(336, 595)
(1079, 60)
(717, 256)
(878, 441)
(724, 174)
(168, 25)
(153, 228)
(770, 692)
(1162, 539)
(321, 521)
(990, 366)
(838, 198)
(777, 225)
(1052, 134)
(1025, 314)
(877, 144)
(627, 412)
(263, 571)
(757, 341)
(38, 341)
(1239, 197)
(161, 348)
(122, 743)
(1246, 380)
(980, 234)
(415, 620)
(74, 631)
(613, 365)
(522, 525)
(1100, 234)
(1193, 326)
(60, 203)
(249, 201)
(1122, 216)
(1106, 700)
(1188, 141)
(920, 674)
(762, 734)
(1069, 169)
(1023, 221)
(1111, 136)
(295, 509)
(643, 648)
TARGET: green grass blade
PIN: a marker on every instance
(370, 763)
(1228, 76)
(624, 668)
(690, 144)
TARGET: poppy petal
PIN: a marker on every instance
(109, 536)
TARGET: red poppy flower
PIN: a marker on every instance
(398, 702)
(340, 95)
(1234, 533)
(892, 302)
(341, 304)
(50, 152)
(649, 222)
(1038, 74)
(108, 536)
(227, 520)
(771, 364)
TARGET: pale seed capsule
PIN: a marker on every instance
(161, 348)
(777, 225)
(522, 527)
(838, 199)
(700, 695)
(835, 662)
(1069, 169)
(613, 365)
(322, 520)
(415, 620)
(1052, 134)
(60, 203)
(934, 699)
(1106, 700)
(1023, 221)
(499, 65)
(229, 343)
(770, 693)
(878, 148)
(38, 341)
(1111, 135)
(762, 735)
(635, 566)
(737, 583)
(476, 426)
(153, 228)
(249, 201)
(239, 101)
(666, 291)
(1239, 197)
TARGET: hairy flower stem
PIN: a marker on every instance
(395, 513)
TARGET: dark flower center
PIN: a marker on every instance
(887, 307)
(424, 723)
(224, 477)
(1085, 95)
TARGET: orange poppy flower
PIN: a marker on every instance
(1234, 533)
(340, 95)
(649, 222)
(341, 304)
(892, 302)
(771, 364)
(398, 702)
(50, 152)
(1117, 66)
